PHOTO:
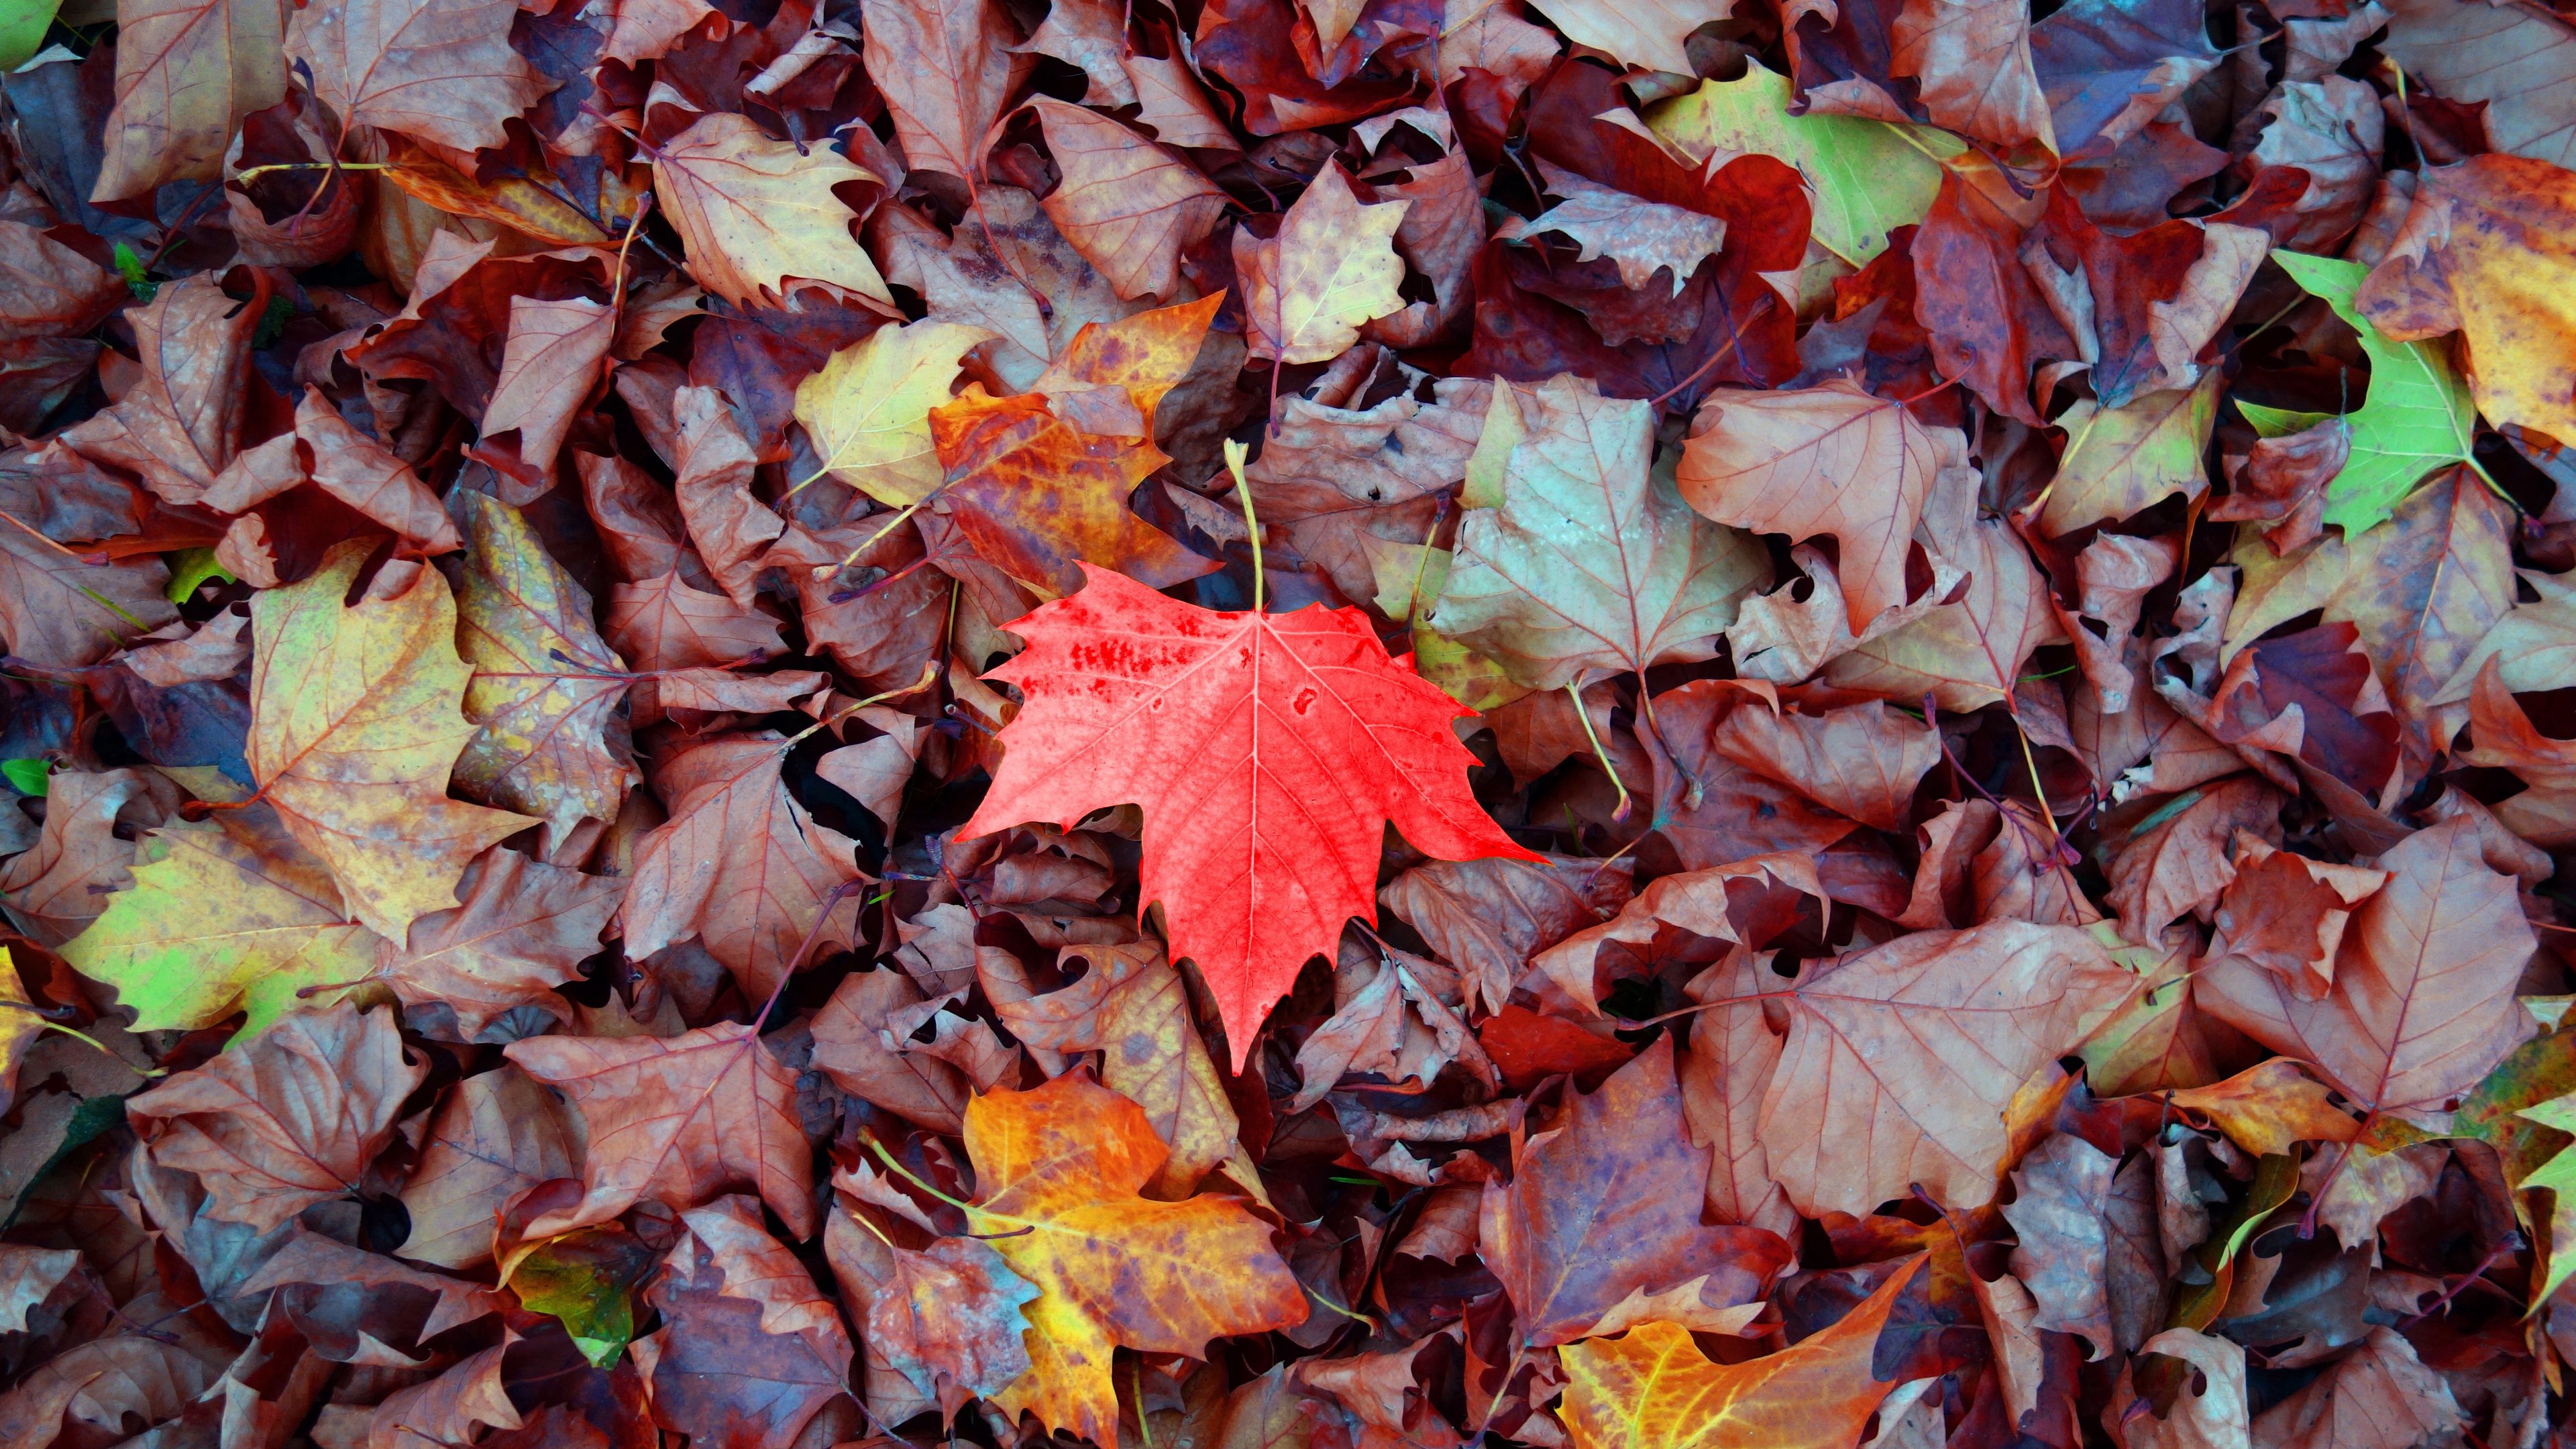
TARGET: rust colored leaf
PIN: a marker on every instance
(1606, 1206)
(676, 1121)
(289, 1120)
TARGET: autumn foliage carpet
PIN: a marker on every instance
(1287, 724)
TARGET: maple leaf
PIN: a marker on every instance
(289, 1120)
(1966, 654)
(945, 69)
(224, 915)
(2512, 60)
(2121, 461)
(1652, 1388)
(747, 1344)
(551, 363)
(1219, 725)
(1331, 268)
(755, 212)
(1824, 460)
(56, 889)
(740, 867)
(180, 423)
(676, 1120)
(1057, 1172)
(1132, 1007)
(496, 1134)
(2423, 588)
(2420, 1007)
(867, 410)
(356, 722)
(1039, 498)
(545, 689)
(1648, 33)
(1581, 561)
(2417, 418)
(439, 70)
(1128, 205)
(952, 1311)
(523, 929)
(1901, 1060)
(187, 73)
(1604, 1208)
(1867, 177)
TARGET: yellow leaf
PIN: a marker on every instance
(545, 688)
(224, 915)
(356, 723)
(1331, 268)
(868, 410)
(1058, 1171)
(1652, 1388)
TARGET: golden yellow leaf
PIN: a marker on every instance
(356, 723)
(1652, 1388)
(868, 409)
(1058, 1172)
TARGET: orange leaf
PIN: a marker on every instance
(1058, 1172)
(1651, 1388)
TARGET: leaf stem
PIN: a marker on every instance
(908, 1175)
(1234, 455)
(49, 1024)
(259, 171)
(929, 674)
(1620, 815)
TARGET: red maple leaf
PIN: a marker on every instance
(1268, 751)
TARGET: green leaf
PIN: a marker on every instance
(1869, 177)
(223, 916)
(27, 777)
(585, 1279)
(2417, 418)
(190, 567)
(23, 24)
(137, 280)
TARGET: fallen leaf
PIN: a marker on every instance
(1057, 1172)
(224, 915)
(289, 1120)
(945, 69)
(187, 75)
(545, 688)
(1331, 268)
(741, 867)
(867, 410)
(755, 213)
(496, 1134)
(1879, 1087)
(1351, 715)
(675, 1121)
(437, 70)
(1128, 205)
(524, 928)
(2420, 1007)
(1589, 1219)
(748, 1350)
(2475, 256)
(1653, 1389)
(356, 722)
(1575, 487)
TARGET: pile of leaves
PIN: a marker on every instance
(1254, 723)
